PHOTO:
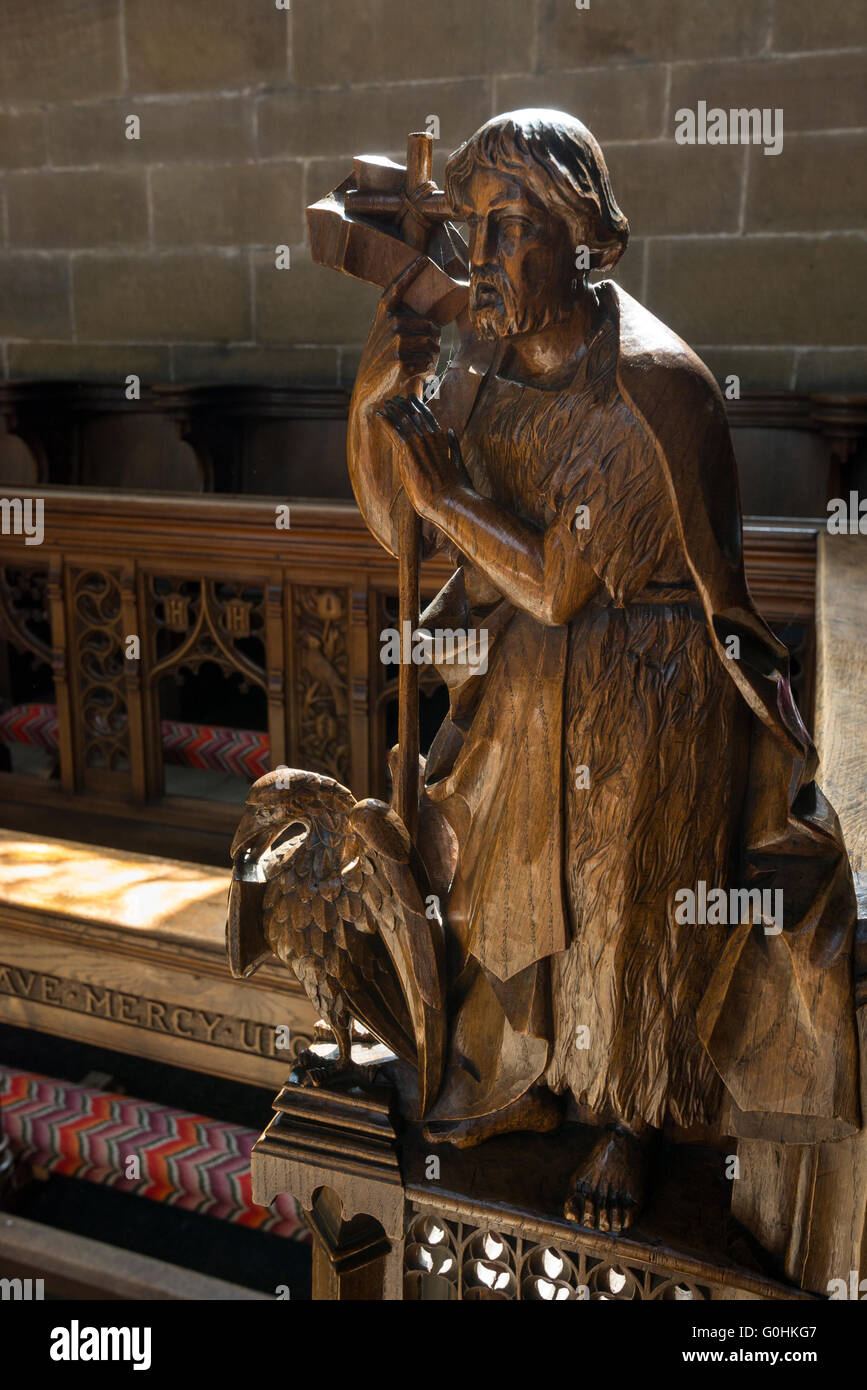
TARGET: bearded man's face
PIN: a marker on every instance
(521, 258)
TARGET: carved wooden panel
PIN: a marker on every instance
(200, 628)
(27, 685)
(447, 1259)
(321, 651)
(298, 625)
(24, 617)
(102, 723)
(193, 621)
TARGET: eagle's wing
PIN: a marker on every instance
(246, 943)
(351, 913)
(390, 879)
(332, 944)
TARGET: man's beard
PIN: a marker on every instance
(499, 314)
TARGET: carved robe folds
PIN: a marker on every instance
(772, 1015)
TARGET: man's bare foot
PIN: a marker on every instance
(539, 1111)
(606, 1192)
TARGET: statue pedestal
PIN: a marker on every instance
(335, 1151)
(396, 1217)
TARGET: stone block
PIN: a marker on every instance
(615, 103)
(338, 43)
(761, 290)
(822, 92)
(816, 184)
(34, 296)
(206, 128)
(804, 24)
(204, 45)
(666, 188)
(89, 208)
(63, 51)
(611, 31)
(195, 297)
(228, 204)
(88, 362)
(22, 139)
(331, 121)
(311, 304)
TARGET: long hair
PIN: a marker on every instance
(560, 162)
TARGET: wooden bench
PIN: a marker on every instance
(72, 1266)
(126, 951)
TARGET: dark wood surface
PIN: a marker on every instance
(794, 449)
(384, 1222)
(516, 1182)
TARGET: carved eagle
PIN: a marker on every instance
(335, 888)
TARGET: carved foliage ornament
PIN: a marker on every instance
(99, 637)
(322, 675)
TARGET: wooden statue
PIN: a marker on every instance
(642, 913)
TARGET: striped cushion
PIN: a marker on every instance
(241, 751)
(32, 724)
(186, 1160)
(214, 747)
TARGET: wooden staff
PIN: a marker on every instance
(344, 236)
(419, 166)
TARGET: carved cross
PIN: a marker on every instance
(372, 226)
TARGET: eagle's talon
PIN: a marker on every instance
(310, 1069)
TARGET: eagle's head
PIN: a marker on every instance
(281, 809)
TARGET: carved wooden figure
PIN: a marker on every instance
(647, 908)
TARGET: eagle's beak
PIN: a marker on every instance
(254, 833)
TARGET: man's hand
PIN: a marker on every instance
(402, 348)
(541, 570)
(429, 459)
(402, 345)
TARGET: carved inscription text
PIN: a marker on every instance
(159, 1016)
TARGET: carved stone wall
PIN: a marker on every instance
(245, 120)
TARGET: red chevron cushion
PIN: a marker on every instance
(241, 751)
(189, 1161)
(214, 747)
(32, 724)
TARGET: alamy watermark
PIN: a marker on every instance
(706, 907)
(23, 516)
(77, 1343)
(847, 516)
(22, 1290)
(854, 1288)
(444, 646)
(737, 126)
